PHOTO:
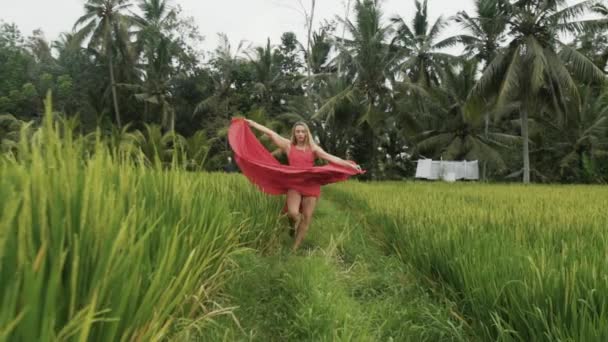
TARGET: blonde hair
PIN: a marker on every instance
(309, 141)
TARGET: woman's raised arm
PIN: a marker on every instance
(274, 136)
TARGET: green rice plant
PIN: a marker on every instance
(524, 263)
(95, 246)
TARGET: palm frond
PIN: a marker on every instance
(536, 54)
(571, 12)
(493, 73)
(581, 26)
(435, 142)
(511, 81)
(581, 65)
(327, 110)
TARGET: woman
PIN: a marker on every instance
(301, 181)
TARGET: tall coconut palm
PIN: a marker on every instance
(267, 73)
(155, 40)
(153, 24)
(485, 30)
(583, 137)
(155, 90)
(536, 67)
(484, 33)
(455, 130)
(594, 43)
(67, 42)
(225, 62)
(368, 59)
(319, 51)
(420, 47)
(368, 63)
(107, 26)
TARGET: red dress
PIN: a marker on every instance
(303, 159)
(274, 178)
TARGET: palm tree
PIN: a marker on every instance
(367, 58)
(40, 48)
(536, 67)
(153, 24)
(225, 63)
(368, 63)
(66, 43)
(594, 43)
(485, 31)
(455, 130)
(267, 72)
(154, 39)
(106, 25)
(419, 47)
(319, 51)
(583, 137)
(156, 91)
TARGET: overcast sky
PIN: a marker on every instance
(250, 20)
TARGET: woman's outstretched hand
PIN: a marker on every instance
(355, 166)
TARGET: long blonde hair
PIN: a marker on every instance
(309, 141)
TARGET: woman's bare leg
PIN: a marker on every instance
(308, 207)
(294, 199)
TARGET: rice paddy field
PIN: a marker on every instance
(96, 245)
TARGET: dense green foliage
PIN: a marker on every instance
(520, 99)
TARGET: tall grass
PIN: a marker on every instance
(96, 247)
(523, 263)
(339, 287)
(100, 243)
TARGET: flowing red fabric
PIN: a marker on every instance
(274, 178)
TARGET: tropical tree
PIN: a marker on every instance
(455, 130)
(267, 73)
(368, 63)
(579, 143)
(420, 50)
(593, 43)
(320, 50)
(225, 64)
(485, 31)
(107, 26)
(159, 48)
(537, 68)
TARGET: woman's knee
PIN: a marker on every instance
(306, 218)
(293, 213)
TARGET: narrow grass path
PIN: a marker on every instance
(340, 286)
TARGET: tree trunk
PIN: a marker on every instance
(526, 146)
(308, 46)
(343, 32)
(487, 124)
(375, 157)
(164, 118)
(485, 132)
(113, 82)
